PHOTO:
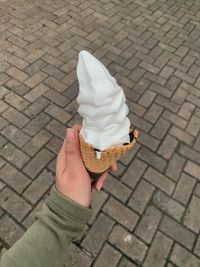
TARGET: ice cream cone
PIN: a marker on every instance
(108, 156)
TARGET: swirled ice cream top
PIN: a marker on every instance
(102, 104)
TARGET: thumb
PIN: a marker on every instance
(72, 151)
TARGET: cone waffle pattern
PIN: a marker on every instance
(108, 156)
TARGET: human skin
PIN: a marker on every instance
(72, 178)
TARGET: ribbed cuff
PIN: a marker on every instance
(68, 207)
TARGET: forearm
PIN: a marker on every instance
(45, 242)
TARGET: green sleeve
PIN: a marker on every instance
(45, 243)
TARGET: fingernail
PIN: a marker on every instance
(99, 186)
(70, 135)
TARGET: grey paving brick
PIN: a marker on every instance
(117, 188)
(158, 251)
(192, 215)
(9, 230)
(128, 244)
(134, 172)
(159, 180)
(15, 135)
(38, 162)
(98, 234)
(175, 166)
(39, 187)
(15, 156)
(14, 178)
(182, 257)
(76, 257)
(15, 117)
(141, 196)
(168, 205)
(14, 204)
(108, 256)
(148, 224)
(121, 213)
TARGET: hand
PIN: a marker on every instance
(72, 178)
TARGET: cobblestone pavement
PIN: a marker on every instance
(148, 214)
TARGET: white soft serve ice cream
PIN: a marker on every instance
(102, 105)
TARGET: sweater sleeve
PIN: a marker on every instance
(45, 243)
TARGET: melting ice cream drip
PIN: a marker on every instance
(101, 104)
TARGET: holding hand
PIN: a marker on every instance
(72, 178)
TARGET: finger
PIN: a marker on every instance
(113, 167)
(99, 183)
(72, 151)
(60, 164)
(77, 127)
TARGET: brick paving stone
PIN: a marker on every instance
(168, 146)
(76, 257)
(3, 91)
(3, 123)
(37, 142)
(57, 129)
(17, 74)
(182, 135)
(177, 232)
(15, 179)
(153, 113)
(39, 187)
(32, 82)
(14, 204)
(3, 106)
(128, 244)
(2, 162)
(54, 144)
(159, 180)
(37, 124)
(9, 230)
(184, 188)
(38, 162)
(55, 84)
(121, 213)
(167, 103)
(160, 128)
(197, 144)
(186, 110)
(148, 224)
(134, 172)
(57, 98)
(3, 141)
(192, 215)
(126, 263)
(175, 166)
(98, 200)
(189, 153)
(2, 185)
(148, 141)
(174, 119)
(127, 157)
(36, 107)
(15, 135)
(16, 117)
(197, 247)
(182, 257)
(14, 155)
(108, 256)
(147, 98)
(140, 123)
(117, 189)
(141, 196)
(168, 205)
(152, 159)
(58, 113)
(36, 92)
(16, 101)
(158, 251)
(97, 234)
(193, 169)
(194, 125)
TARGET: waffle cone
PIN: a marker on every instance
(108, 156)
